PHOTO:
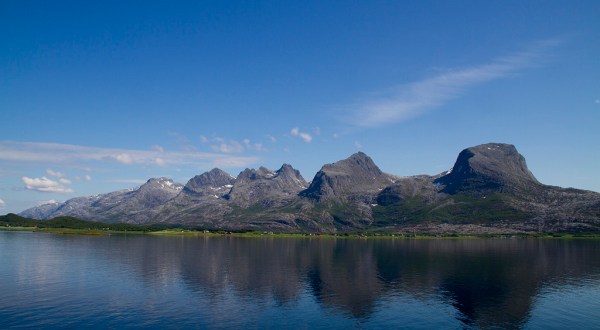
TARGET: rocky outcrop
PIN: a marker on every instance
(486, 168)
(266, 187)
(214, 182)
(355, 175)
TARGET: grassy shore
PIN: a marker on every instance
(205, 233)
(70, 225)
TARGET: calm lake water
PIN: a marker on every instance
(71, 281)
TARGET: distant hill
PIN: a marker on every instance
(489, 190)
(13, 220)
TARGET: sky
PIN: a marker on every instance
(97, 96)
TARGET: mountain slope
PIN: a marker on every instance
(215, 182)
(356, 175)
(492, 167)
(489, 190)
(266, 187)
(129, 206)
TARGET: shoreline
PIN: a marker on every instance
(197, 233)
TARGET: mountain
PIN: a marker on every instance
(489, 190)
(131, 205)
(215, 182)
(356, 175)
(266, 187)
(492, 167)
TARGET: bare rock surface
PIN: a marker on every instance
(489, 190)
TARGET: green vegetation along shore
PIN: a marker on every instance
(71, 225)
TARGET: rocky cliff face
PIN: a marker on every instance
(132, 205)
(356, 175)
(266, 187)
(492, 167)
(215, 182)
(489, 190)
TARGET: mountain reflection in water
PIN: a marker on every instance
(460, 282)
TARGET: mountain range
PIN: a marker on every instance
(489, 190)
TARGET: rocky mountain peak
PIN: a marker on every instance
(264, 184)
(286, 168)
(488, 167)
(161, 183)
(358, 163)
(208, 181)
(355, 173)
(489, 190)
(288, 171)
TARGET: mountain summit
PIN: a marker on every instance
(266, 186)
(489, 190)
(492, 167)
(356, 174)
(216, 180)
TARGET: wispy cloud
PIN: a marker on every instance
(231, 146)
(44, 184)
(136, 181)
(51, 201)
(253, 146)
(303, 135)
(413, 99)
(2, 204)
(47, 153)
(57, 174)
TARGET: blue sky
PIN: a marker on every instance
(100, 96)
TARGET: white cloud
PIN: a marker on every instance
(40, 152)
(227, 147)
(303, 135)
(306, 137)
(232, 146)
(160, 162)
(135, 181)
(50, 172)
(271, 138)
(64, 181)
(44, 184)
(51, 201)
(416, 98)
(2, 203)
(358, 145)
(253, 146)
(123, 158)
(87, 178)
(158, 148)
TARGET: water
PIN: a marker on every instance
(71, 281)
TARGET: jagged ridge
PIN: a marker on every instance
(489, 190)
